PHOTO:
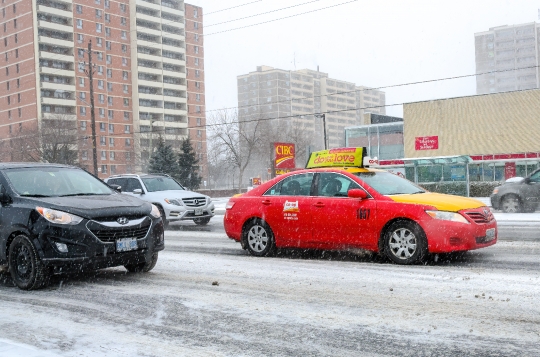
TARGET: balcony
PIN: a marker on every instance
(54, 26)
(55, 10)
(58, 101)
(57, 86)
(46, 39)
(149, 31)
(148, 57)
(56, 71)
(169, 8)
(155, 71)
(56, 57)
(154, 5)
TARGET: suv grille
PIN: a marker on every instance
(481, 216)
(194, 202)
(107, 234)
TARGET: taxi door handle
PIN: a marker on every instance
(319, 204)
(266, 202)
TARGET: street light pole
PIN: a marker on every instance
(323, 116)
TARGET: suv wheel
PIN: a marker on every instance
(26, 269)
(162, 212)
(511, 204)
(202, 221)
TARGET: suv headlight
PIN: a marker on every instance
(173, 201)
(155, 212)
(447, 216)
(58, 217)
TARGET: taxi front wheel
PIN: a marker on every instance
(405, 243)
(259, 238)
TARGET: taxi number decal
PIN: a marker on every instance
(363, 213)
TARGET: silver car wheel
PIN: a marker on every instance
(510, 204)
(258, 238)
(402, 243)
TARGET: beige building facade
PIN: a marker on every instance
(495, 124)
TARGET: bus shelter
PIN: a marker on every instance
(445, 174)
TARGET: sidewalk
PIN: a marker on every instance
(13, 349)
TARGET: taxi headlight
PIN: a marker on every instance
(173, 201)
(447, 216)
(58, 217)
(155, 212)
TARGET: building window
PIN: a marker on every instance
(15, 23)
(84, 155)
(124, 61)
(79, 23)
(196, 37)
(198, 121)
(82, 111)
(111, 115)
(82, 95)
(100, 70)
(111, 157)
(109, 59)
(80, 38)
(126, 102)
(109, 87)
(100, 56)
(198, 97)
(126, 88)
(99, 28)
(197, 73)
(111, 126)
(127, 129)
(103, 167)
(80, 52)
(101, 126)
(195, 13)
(195, 25)
(199, 133)
(83, 125)
(107, 31)
(107, 18)
(109, 73)
(81, 82)
(16, 38)
(128, 142)
(125, 75)
(123, 21)
(20, 112)
(98, 14)
(101, 99)
(124, 48)
(14, 8)
(17, 68)
(99, 41)
(110, 100)
(100, 84)
(18, 82)
(102, 140)
(98, 2)
(124, 35)
(108, 45)
(111, 141)
(7, 85)
(79, 9)
(8, 99)
(196, 49)
(102, 112)
(18, 97)
(197, 84)
(107, 4)
(126, 115)
(196, 61)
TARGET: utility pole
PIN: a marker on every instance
(90, 74)
(323, 116)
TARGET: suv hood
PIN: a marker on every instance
(440, 201)
(94, 207)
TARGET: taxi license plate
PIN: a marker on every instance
(490, 234)
(126, 244)
(198, 211)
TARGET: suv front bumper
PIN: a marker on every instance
(182, 213)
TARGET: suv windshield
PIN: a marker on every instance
(154, 184)
(55, 181)
(389, 184)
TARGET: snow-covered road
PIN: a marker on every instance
(484, 304)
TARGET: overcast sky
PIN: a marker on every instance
(375, 43)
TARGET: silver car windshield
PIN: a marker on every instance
(389, 184)
(154, 184)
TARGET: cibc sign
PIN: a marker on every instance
(426, 143)
(284, 156)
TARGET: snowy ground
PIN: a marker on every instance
(484, 304)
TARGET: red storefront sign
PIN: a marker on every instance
(284, 156)
(509, 170)
(426, 143)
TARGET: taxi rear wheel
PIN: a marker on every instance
(259, 238)
(405, 243)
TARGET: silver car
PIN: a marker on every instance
(173, 200)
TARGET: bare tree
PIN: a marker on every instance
(55, 141)
(237, 141)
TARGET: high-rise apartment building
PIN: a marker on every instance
(511, 54)
(295, 96)
(195, 83)
(139, 77)
(161, 99)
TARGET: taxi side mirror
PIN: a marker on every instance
(357, 193)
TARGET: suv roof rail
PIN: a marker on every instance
(124, 175)
(158, 174)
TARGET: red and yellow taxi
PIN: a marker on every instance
(337, 203)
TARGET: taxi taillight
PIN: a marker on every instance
(229, 205)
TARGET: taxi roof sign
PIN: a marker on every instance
(340, 157)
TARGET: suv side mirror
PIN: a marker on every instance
(527, 180)
(4, 198)
(116, 187)
(357, 193)
(137, 191)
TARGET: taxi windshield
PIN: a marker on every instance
(389, 184)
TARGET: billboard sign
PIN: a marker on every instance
(426, 143)
(284, 156)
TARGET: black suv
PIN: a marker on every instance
(518, 196)
(57, 218)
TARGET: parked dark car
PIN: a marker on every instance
(518, 196)
(60, 219)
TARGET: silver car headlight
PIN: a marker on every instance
(155, 212)
(173, 201)
(58, 217)
(447, 216)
